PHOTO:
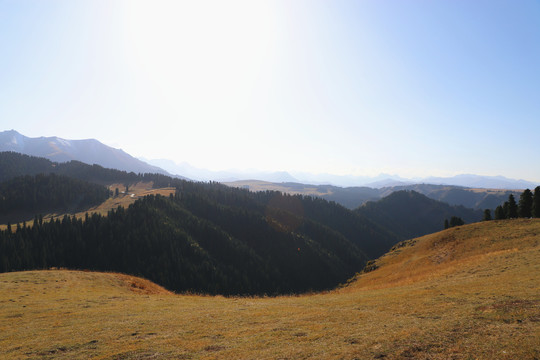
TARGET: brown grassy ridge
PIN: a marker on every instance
(135, 192)
(471, 292)
(259, 185)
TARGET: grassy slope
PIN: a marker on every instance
(286, 188)
(465, 293)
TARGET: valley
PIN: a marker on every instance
(466, 292)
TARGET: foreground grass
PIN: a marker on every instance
(471, 292)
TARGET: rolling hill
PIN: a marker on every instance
(410, 214)
(470, 292)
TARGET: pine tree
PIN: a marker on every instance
(525, 204)
(456, 221)
(536, 203)
(512, 208)
(487, 215)
(446, 226)
(500, 213)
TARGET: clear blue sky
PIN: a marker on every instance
(413, 88)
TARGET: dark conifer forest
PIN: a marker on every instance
(410, 214)
(190, 242)
(29, 195)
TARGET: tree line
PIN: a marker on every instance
(527, 207)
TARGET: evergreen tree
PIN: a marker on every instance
(446, 226)
(487, 215)
(512, 208)
(456, 221)
(525, 204)
(536, 203)
(500, 214)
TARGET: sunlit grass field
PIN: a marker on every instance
(471, 292)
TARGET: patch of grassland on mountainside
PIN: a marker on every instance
(135, 191)
(471, 292)
(286, 188)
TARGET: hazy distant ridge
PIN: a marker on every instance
(89, 151)
(378, 182)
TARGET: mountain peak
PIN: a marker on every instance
(89, 151)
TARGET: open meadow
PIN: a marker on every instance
(470, 292)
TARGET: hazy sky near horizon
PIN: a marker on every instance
(414, 88)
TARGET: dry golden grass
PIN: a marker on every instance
(258, 185)
(494, 191)
(471, 292)
(135, 192)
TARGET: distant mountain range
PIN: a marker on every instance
(355, 196)
(92, 151)
(377, 182)
(89, 151)
(191, 172)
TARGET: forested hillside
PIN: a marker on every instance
(191, 243)
(410, 214)
(207, 238)
(25, 196)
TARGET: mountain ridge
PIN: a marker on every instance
(377, 182)
(89, 151)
